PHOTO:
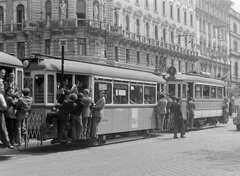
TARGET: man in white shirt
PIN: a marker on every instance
(3, 129)
(2, 75)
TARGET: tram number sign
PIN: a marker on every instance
(172, 71)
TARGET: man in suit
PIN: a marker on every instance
(191, 109)
(86, 114)
(178, 119)
(162, 104)
(98, 114)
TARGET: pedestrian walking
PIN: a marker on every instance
(225, 107)
(191, 109)
(161, 105)
(169, 105)
(178, 119)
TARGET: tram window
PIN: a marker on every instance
(107, 87)
(198, 91)
(220, 92)
(213, 92)
(149, 95)
(19, 82)
(120, 94)
(50, 93)
(206, 89)
(136, 94)
(38, 89)
(82, 82)
(179, 90)
(184, 90)
(171, 90)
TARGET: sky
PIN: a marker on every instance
(236, 5)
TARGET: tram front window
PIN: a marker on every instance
(107, 87)
(39, 89)
(50, 97)
(120, 94)
(149, 95)
(213, 92)
(136, 94)
(171, 90)
(220, 92)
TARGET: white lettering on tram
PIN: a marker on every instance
(134, 117)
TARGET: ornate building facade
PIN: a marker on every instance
(212, 18)
(149, 35)
(234, 41)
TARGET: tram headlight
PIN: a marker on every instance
(25, 63)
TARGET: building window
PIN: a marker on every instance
(155, 5)
(186, 41)
(186, 67)
(2, 47)
(146, 2)
(48, 46)
(235, 46)
(164, 35)
(148, 60)
(116, 53)
(178, 14)
(185, 17)
(48, 8)
(204, 26)
(127, 23)
(20, 15)
(81, 46)
(115, 18)
(163, 7)
(235, 27)
(81, 12)
(20, 50)
(1, 14)
(171, 10)
(172, 37)
(179, 39)
(191, 20)
(236, 69)
(147, 29)
(156, 32)
(127, 55)
(172, 62)
(137, 26)
(179, 66)
(138, 57)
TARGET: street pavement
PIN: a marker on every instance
(206, 152)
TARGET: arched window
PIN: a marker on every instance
(127, 23)
(48, 8)
(20, 13)
(81, 12)
(156, 32)
(236, 69)
(81, 9)
(137, 26)
(147, 29)
(115, 18)
(1, 14)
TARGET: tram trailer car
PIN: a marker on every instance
(208, 94)
(131, 96)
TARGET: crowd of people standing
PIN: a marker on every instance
(14, 110)
(77, 109)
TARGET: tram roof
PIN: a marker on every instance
(98, 70)
(9, 60)
(197, 79)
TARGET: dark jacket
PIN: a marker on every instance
(10, 113)
(67, 107)
(24, 104)
(79, 107)
(177, 109)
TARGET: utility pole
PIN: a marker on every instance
(62, 66)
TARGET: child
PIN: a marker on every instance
(23, 107)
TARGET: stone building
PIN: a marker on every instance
(212, 18)
(234, 41)
(149, 35)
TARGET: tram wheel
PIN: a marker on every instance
(146, 134)
(238, 127)
(102, 139)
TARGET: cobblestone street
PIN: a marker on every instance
(210, 151)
